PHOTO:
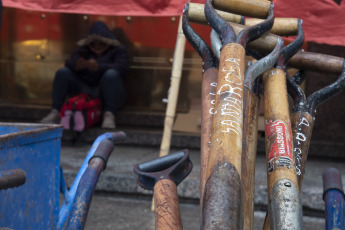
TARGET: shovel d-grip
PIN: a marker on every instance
(208, 91)
(221, 206)
(333, 195)
(162, 175)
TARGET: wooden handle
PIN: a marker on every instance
(208, 96)
(250, 8)
(302, 127)
(279, 147)
(196, 14)
(249, 147)
(167, 211)
(226, 139)
(302, 60)
(281, 26)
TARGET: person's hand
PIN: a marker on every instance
(92, 65)
(81, 64)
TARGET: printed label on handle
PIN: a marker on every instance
(278, 135)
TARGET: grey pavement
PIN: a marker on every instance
(127, 206)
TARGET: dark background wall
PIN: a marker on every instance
(329, 119)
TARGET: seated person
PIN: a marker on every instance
(96, 68)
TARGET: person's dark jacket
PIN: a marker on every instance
(115, 57)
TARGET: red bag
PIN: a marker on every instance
(80, 112)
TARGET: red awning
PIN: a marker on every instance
(103, 7)
(323, 20)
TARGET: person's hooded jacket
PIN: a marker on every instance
(115, 57)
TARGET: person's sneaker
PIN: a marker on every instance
(108, 120)
(52, 118)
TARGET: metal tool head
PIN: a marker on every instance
(326, 93)
(175, 167)
(204, 50)
(292, 48)
(297, 94)
(259, 67)
(222, 27)
(216, 43)
(252, 33)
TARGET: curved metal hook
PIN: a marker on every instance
(204, 50)
(216, 43)
(262, 65)
(292, 48)
(254, 32)
(222, 27)
(299, 77)
(326, 93)
(297, 94)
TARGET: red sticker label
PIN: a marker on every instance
(281, 149)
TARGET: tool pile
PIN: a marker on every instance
(230, 101)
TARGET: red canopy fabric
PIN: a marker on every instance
(103, 7)
(323, 20)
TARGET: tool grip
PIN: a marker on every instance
(12, 178)
(250, 8)
(167, 211)
(196, 14)
(281, 26)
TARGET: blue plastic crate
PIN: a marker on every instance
(35, 148)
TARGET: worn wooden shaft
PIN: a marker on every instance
(279, 146)
(208, 96)
(221, 206)
(249, 147)
(167, 211)
(251, 8)
(226, 138)
(302, 126)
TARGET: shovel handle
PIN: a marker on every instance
(250, 131)
(167, 211)
(302, 126)
(209, 84)
(250, 8)
(226, 138)
(284, 205)
(279, 152)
